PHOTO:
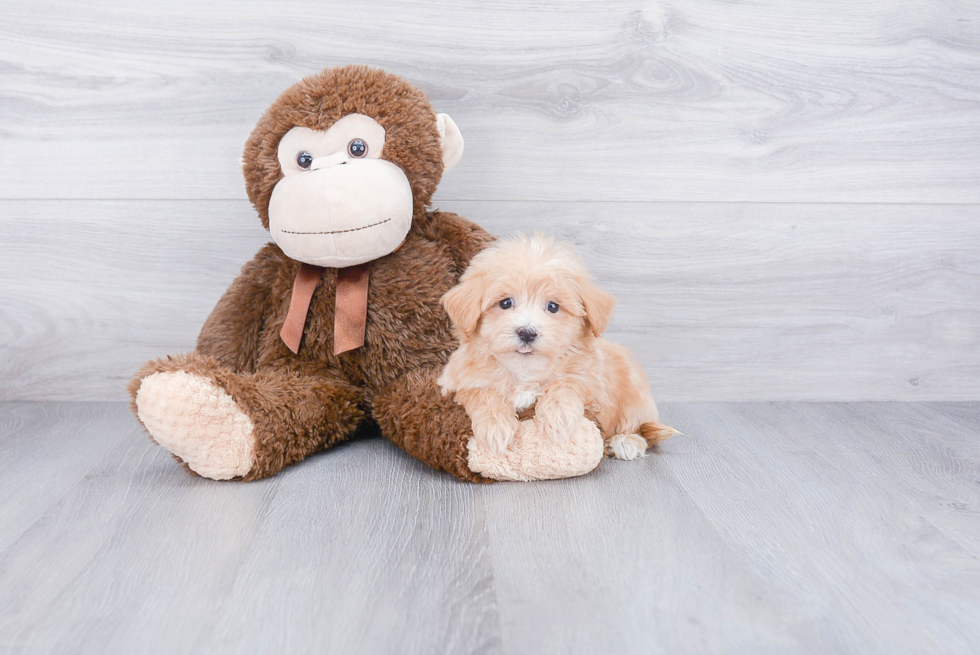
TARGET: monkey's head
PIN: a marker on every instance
(344, 162)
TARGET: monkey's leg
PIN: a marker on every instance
(413, 413)
(226, 425)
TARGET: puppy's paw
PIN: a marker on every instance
(626, 446)
(496, 432)
(557, 426)
(556, 419)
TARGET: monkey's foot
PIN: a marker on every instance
(532, 455)
(197, 421)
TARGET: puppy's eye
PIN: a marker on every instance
(304, 159)
(357, 149)
(506, 303)
(552, 307)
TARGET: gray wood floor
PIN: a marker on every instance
(769, 528)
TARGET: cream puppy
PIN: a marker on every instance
(529, 320)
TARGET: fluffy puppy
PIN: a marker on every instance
(529, 320)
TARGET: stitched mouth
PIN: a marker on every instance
(353, 229)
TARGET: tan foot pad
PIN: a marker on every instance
(198, 421)
(534, 456)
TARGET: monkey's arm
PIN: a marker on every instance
(231, 333)
(413, 414)
(461, 237)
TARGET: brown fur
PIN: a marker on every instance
(303, 403)
(655, 433)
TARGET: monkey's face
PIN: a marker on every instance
(344, 162)
(338, 203)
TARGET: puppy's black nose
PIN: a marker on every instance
(527, 334)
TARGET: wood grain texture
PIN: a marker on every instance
(829, 504)
(338, 556)
(617, 100)
(719, 301)
(768, 528)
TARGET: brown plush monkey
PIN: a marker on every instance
(338, 323)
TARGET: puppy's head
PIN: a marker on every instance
(527, 297)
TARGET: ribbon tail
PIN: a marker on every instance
(350, 316)
(307, 279)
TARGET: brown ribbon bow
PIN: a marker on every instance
(350, 314)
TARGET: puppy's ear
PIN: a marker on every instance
(598, 307)
(464, 303)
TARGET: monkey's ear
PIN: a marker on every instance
(464, 304)
(452, 142)
(598, 307)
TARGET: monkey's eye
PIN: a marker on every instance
(552, 307)
(304, 160)
(506, 303)
(357, 149)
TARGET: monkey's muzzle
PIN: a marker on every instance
(341, 212)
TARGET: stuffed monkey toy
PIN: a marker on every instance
(338, 323)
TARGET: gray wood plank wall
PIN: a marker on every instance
(784, 196)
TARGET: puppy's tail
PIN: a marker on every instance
(656, 433)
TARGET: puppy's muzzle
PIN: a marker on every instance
(527, 334)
